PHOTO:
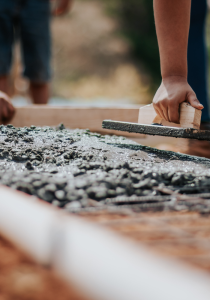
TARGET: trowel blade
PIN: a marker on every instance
(186, 133)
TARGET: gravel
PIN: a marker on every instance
(76, 169)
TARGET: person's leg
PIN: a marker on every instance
(39, 92)
(6, 42)
(36, 47)
(197, 55)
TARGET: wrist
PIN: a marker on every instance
(174, 78)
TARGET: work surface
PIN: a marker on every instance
(114, 181)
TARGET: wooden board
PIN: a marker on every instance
(75, 117)
(190, 117)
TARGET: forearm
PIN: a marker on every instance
(172, 18)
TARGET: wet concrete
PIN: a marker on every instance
(79, 170)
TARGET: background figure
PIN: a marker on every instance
(29, 21)
(197, 55)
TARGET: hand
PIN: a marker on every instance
(7, 110)
(173, 91)
(62, 7)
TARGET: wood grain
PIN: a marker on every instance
(75, 117)
(190, 116)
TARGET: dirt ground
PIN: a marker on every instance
(90, 60)
(22, 279)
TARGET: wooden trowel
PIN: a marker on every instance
(190, 117)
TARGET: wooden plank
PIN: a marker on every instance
(147, 114)
(190, 117)
(75, 117)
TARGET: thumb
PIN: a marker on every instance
(192, 99)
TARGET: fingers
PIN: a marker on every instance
(10, 114)
(168, 110)
(192, 99)
(158, 111)
(164, 108)
(161, 109)
(173, 112)
(7, 111)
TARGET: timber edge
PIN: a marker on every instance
(85, 117)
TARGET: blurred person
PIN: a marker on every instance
(29, 22)
(180, 26)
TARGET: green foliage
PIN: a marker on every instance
(137, 24)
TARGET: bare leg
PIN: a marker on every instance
(4, 84)
(39, 92)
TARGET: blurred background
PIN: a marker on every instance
(104, 51)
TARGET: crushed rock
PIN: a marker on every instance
(77, 170)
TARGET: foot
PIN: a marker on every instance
(62, 7)
(39, 92)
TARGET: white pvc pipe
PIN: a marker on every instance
(27, 223)
(109, 267)
(101, 263)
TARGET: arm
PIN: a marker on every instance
(172, 19)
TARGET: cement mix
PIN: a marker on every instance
(79, 170)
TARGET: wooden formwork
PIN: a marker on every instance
(75, 117)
